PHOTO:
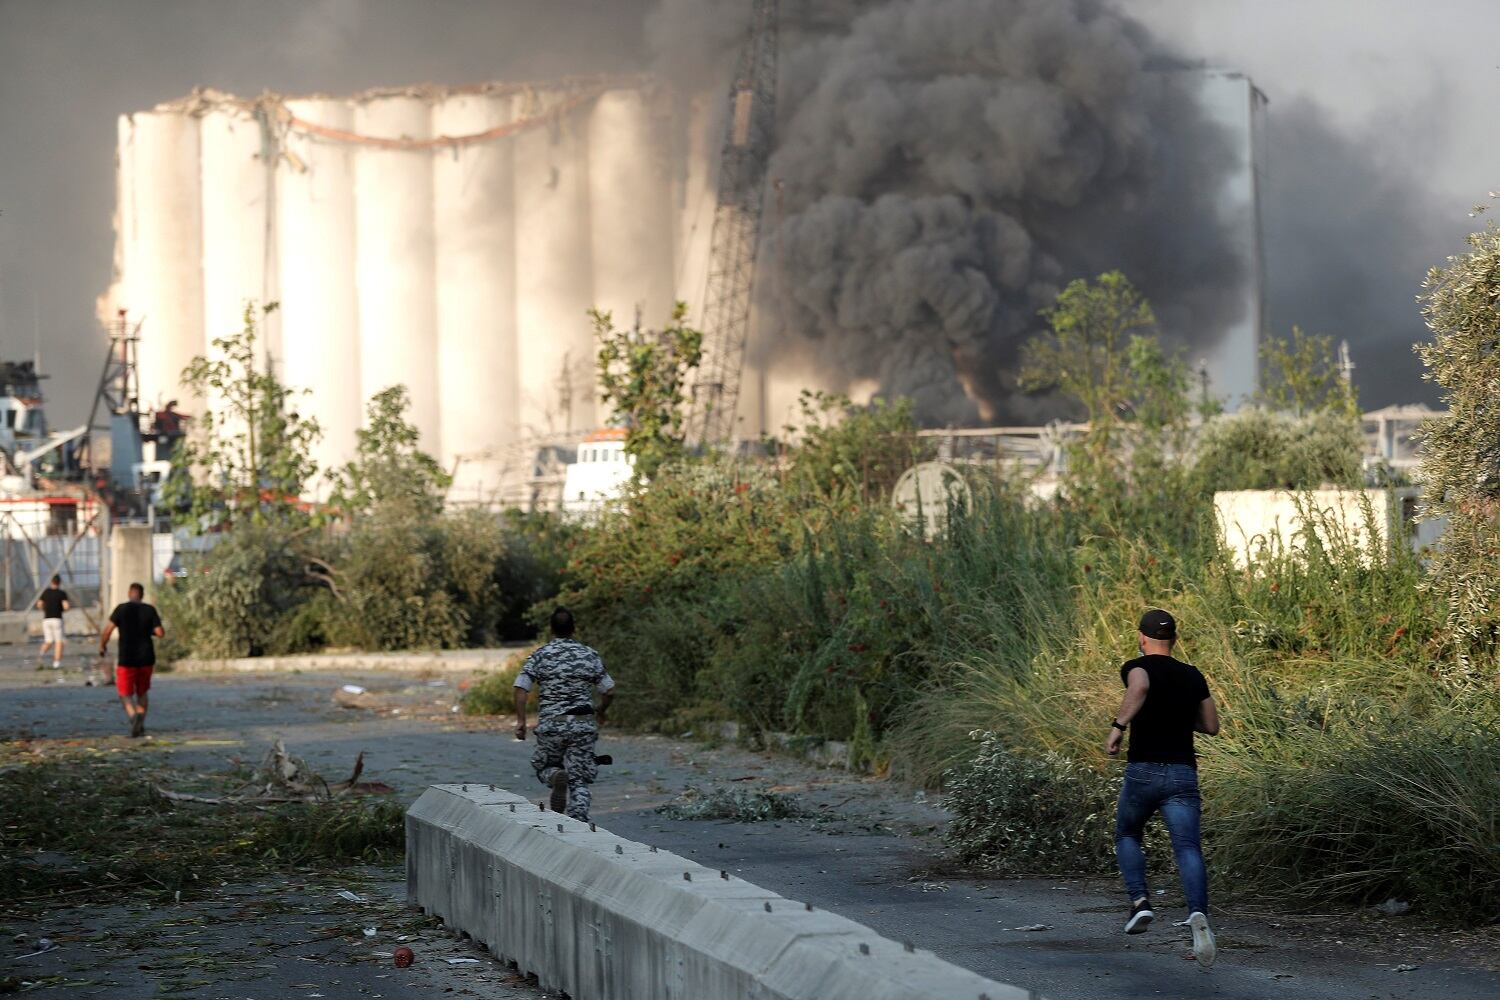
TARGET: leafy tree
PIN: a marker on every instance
(1085, 357)
(1300, 374)
(248, 458)
(642, 372)
(1460, 469)
(844, 447)
(1103, 354)
(1262, 449)
(389, 468)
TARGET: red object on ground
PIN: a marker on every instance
(404, 957)
(132, 680)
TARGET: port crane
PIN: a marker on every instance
(735, 239)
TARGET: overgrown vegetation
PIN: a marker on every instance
(382, 565)
(642, 373)
(84, 825)
(1356, 685)
(742, 805)
(1461, 464)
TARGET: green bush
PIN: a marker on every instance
(1400, 809)
(494, 693)
(1031, 815)
(392, 593)
(1257, 449)
(232, 597)
(398, 579)
(847, 449)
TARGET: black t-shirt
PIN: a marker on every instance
(1162, 731)
(52, 602)
(136, 621)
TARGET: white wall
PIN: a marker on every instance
(630, 219)
(164, 252)
(474, 227)
(1254, 523)
(1232, 100)
(236, 237)
(319, 310)
(394, 259)
(463, 271)
(554, 289)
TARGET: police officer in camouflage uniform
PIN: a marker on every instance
(567, 723)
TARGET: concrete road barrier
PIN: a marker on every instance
(604, 918)
(449, 661)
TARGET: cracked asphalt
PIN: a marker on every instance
(872, 852)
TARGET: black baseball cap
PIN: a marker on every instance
(1157, 624)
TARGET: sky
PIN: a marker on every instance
(1380, 144)
(1381, 134)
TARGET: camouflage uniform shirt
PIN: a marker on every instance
(567, 672)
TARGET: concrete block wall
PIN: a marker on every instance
(604, 918)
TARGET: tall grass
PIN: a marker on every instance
(1349, 765)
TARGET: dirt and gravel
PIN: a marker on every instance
(868, 848)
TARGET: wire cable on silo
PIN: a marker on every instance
(552, 114)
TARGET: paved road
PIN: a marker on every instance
(874, 860)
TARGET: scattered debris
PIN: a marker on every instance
(740, 805)
(1393, 907)
(43, 945)
(352, 897)
(353, 696)
(1407, 968)
(462, 961)
(1033, 927)
(283, 777)
(369, 932)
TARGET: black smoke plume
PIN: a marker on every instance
(943, 167)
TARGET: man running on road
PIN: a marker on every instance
(1165, 702)
(138, 622)
(53, 602)
(567, 723)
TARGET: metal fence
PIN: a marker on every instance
(27, 564)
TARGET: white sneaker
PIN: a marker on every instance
(1204, 949)
(1140, 918)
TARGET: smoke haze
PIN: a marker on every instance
(946, 164)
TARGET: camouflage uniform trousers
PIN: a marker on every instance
(568, 743)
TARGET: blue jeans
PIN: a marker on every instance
(1171, 789)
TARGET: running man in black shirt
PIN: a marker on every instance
(138, 623)
(53, 602)
(1165, 702)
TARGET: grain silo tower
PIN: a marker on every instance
(450, 239)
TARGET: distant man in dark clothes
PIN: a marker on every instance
(567, 724)
(138, 623)
(53, 602)
(1166, 701)
(168, 429)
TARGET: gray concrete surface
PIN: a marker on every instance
(875, 858)
(467, 661)
(596, 915)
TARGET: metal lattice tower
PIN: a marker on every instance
(736, 232)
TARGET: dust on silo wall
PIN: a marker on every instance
(319, 308)
(629, 214)
(440, 238)
(394, 258)
(475, 252)
(163, 275)
(555, 350)
(236, 239)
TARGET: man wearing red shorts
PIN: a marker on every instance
(138, 623)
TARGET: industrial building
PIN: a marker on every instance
(452, 239)
(448, 239)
